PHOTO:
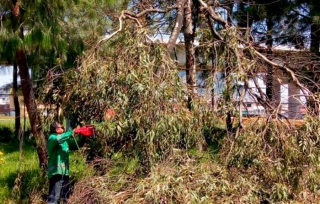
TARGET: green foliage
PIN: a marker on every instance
(213, 130)
(78, 166)
(140, 82)
(52, 35)
(266, 163)
(283, 156)
(151, 128)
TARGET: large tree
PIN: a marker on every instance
(31, 35)
(20, 56)
(46, 38)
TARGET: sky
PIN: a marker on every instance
(6, 75)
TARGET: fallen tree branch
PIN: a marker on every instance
(133, 16)
(114, 33)
(287, 69)
(213, 14)
(178, 25)
(212, 29)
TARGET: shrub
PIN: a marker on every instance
(143, 89)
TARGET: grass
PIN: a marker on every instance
(22, 181)
(17, 176)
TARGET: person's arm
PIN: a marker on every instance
(56, 139)
(79, 136)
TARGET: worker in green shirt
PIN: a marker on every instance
(59, 143)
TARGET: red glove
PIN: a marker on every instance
(77, 131)
(87, 131)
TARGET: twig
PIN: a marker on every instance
(114, 33)
(288, 70)
(133, 16)
(213, 15)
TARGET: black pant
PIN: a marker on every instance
(58, 189)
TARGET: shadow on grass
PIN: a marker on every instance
(14, 146)
(24, 184)
(6, 134)
(9, 180)
(213, 136)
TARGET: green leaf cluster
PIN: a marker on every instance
(140, 82)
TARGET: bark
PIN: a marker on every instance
(314, 48)
(190, 54)
(34, 117)
(229, 122)
(269, 77)
(17, 124)
(269, 80)
(27, 90)
(315, 39)
(178, 25)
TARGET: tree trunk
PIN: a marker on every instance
(314, 48)
(34, 117)
(269, 79)
(270, 75)
(27, 90)
(190, 54)
(315, 39)
(17, 124)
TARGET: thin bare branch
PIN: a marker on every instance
(213, 14)
(151, 10)
(212, 29)
(135, 17)
(114, 33)
(287, 69)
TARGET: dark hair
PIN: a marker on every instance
(54, 126)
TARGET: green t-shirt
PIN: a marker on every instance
(58, 151)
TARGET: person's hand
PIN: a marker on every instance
(77, 131)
